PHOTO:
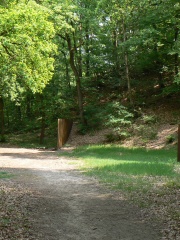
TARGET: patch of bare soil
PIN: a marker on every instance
(161, 137)
(48, 199)
(94, 137)
(160, 133)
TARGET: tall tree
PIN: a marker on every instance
(26, 49)
(119, 18)
(72, 22)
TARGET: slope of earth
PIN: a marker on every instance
(155, 127)
(51, 200)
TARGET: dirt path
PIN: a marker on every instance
(66, 205)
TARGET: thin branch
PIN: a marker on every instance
(61, 36)
(7, 50)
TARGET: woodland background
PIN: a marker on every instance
(99, 63)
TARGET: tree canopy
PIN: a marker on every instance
(26, 48)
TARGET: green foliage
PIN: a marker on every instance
(119, 119)
(112, 137)
(94, 115)
(94, 118)
(172, 89)
(26, 48)
(117, 136)
(145, 132)
(117, 116)
(112, 115)
(95, 36)
(170, 139)
(177, 80)
(31, 139)
(149, 119)
(2, 139)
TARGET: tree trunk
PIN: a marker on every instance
(78, 77)
(67, 69)
(127, 64)
(18, 114)
(2, 130)
(43, 115)
(127, 76)
(67, 75)
(115, 52)
(42, 129)
(176, 57)
(28, 107)
(87, 50)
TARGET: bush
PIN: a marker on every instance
(170, 139)
(113, 115)
(118, 136)
(148, 119)
(146, 132)
(2, 139)
(119, 119)
(94, 116)
(111, 137)
(117, 116)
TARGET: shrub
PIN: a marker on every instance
(112, 137)
(148, 119)
(113, 115)
(94, 117)
(117, 116)
(119, 119)
(118, 136)
(146, 132)
(170, 139)
(2, 139)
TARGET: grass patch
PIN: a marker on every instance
(4, 175)
(129, 169)
(31, 140)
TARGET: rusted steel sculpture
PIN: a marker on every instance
(64, 129)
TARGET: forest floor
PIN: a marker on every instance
(47, 198)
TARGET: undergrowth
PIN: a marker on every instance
(31, 140)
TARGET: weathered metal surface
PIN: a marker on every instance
(64, 129)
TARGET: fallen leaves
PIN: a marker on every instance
(164, 205)
(14, 212)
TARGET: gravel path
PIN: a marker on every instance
(65, 205)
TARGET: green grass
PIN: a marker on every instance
(31, 140)
(4, 175)
(129, 168)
